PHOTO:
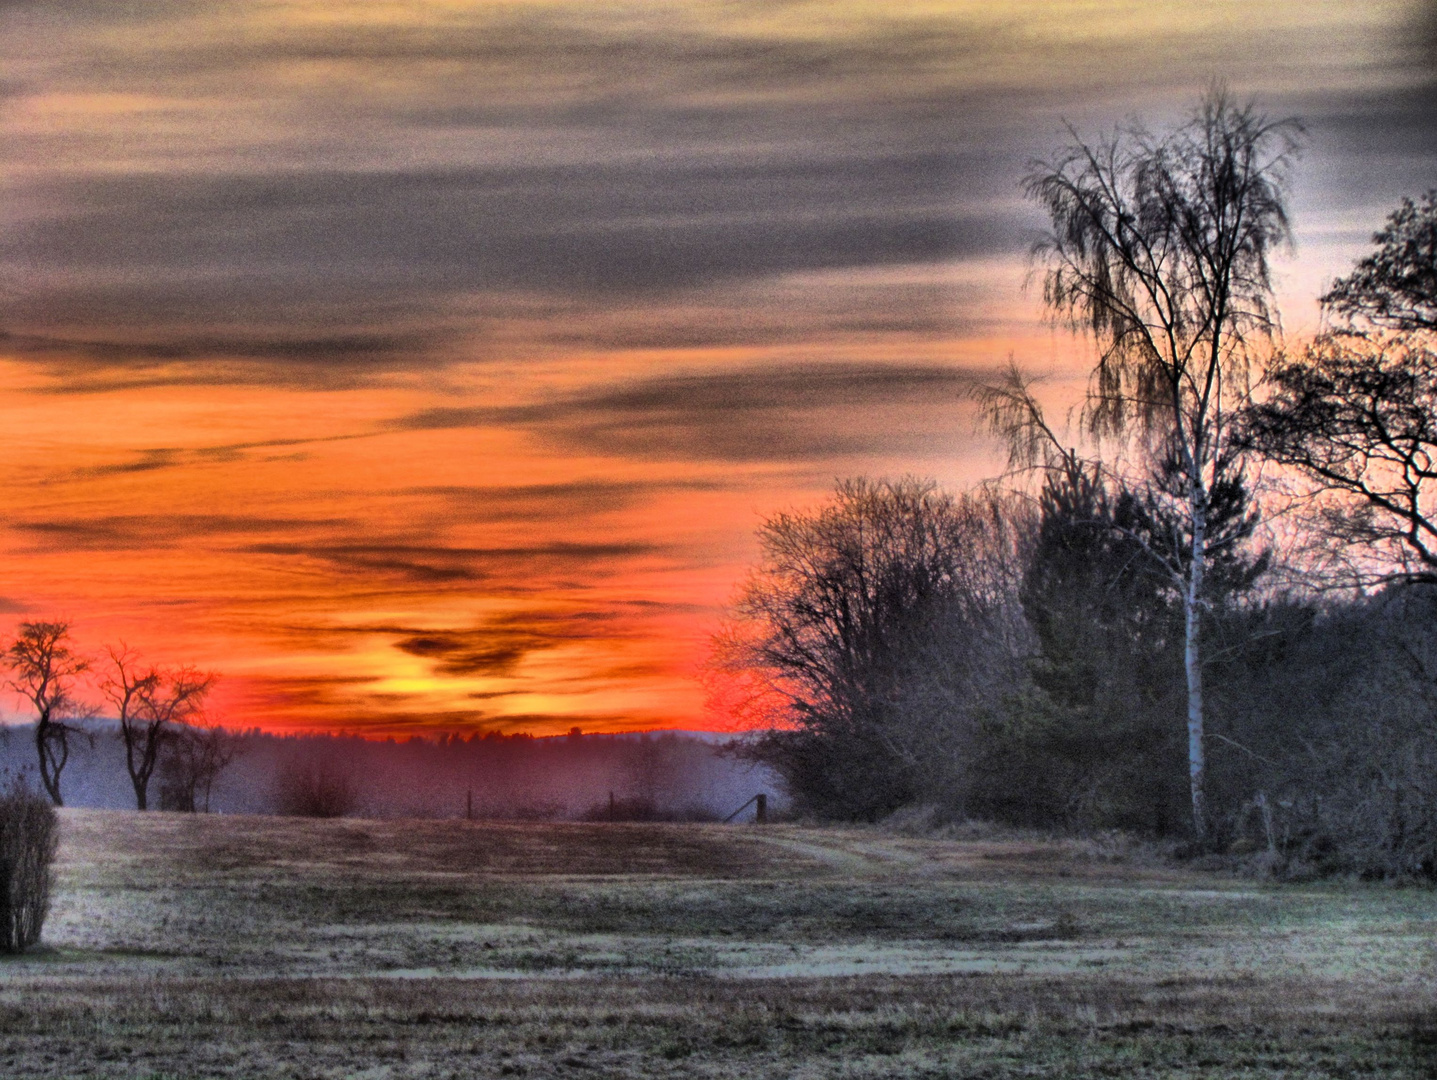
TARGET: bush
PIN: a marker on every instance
(190, 763)
(29, 832)
(314, 789)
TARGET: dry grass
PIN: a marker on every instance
(185, 946)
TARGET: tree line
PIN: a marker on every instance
(158, 710)
(1112, 636)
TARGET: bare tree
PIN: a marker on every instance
(1357, 418)
(861, 621)
(1159, 248)
(149, 703)
(43, 669)
(1355, 413)
(124, 687)
(1395, 288)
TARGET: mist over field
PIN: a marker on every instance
(663, 775)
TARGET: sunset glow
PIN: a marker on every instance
(428, 366)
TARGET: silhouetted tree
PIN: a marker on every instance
(1357, 418)
(1355, 413)
(149, 703)
(43, 669)
(858, 620)
(1395, 288)
(1159, 247)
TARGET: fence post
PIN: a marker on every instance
(761, 809)
(469, 806)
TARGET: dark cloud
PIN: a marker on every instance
(1372, 149)
(588, 161)
(552, 502)
(346, 702)
(492, 650)
(131, 256)
(754, 414)
(1419, 38)
(422, 564)
(495, 648)
(152, 459)
(437, 565)
(314, 201)
(612, 61)
(126, 532)
(147, 461)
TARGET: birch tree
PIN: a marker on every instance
(1159, 249)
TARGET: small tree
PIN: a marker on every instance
(43, 669)
(29, 833)
(1159, 248)
(151, 705)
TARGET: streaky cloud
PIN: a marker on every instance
(744, 414)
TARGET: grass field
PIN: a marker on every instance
(190, 946)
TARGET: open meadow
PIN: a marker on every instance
(194, 946)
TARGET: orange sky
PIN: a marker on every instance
(429, 366)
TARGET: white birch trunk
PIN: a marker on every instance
(1192, 657)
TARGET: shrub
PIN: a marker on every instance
(29, 832)
(315, 789)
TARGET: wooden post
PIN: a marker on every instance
(760, 808)
(469, 806)
(611, 806)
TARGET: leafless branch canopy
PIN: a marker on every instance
(1356, 415)
(1159, 247)
(1395, 288)
(43, 669)
(150, 704)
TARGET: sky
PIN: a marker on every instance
(428, 367)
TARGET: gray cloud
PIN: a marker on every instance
(130, 532)
(288, 255)
(749, 414)
(438, 565)
(320, 203)
(346, 700)
(543, 503)
(498, 646)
